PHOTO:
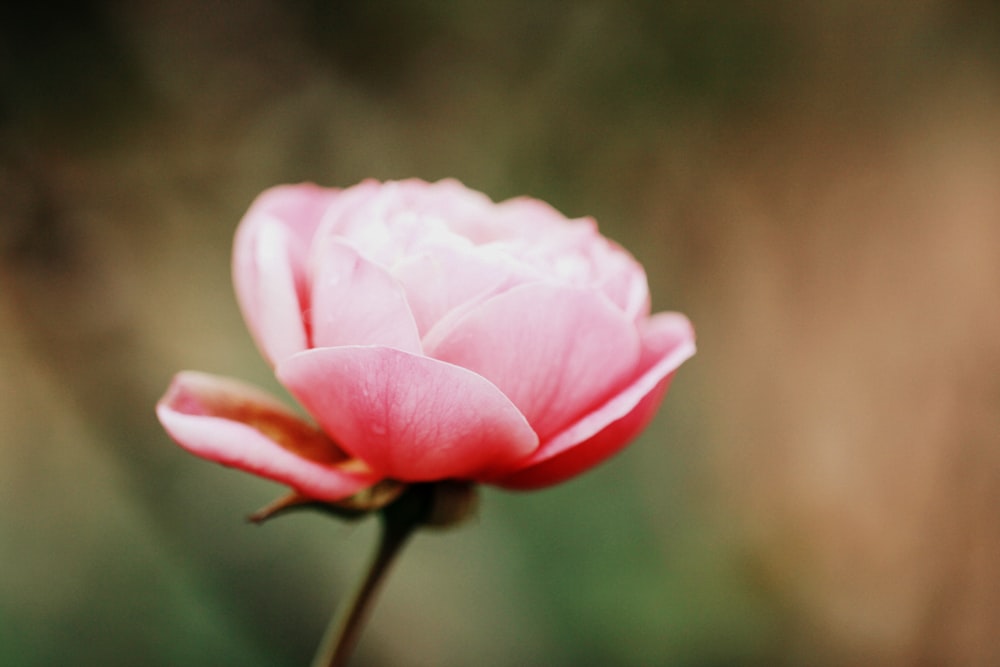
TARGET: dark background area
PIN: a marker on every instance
(816, 184)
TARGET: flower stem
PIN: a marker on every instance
(398, 521)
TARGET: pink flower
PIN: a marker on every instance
(432, 334)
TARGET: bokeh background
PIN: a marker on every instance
(817, 184)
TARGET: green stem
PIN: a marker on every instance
(398, 521)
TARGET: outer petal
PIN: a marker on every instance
(356, 302)
(668, 340)
(240, 426)
(269, 265)
(587, 454)
(409, 417)
(555, 351)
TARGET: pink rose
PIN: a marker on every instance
(432, 334)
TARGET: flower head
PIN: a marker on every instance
(431, 334)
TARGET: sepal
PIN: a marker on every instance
(362, 503)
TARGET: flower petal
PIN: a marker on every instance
(387, 221)
(576, 253)
(409, 417)
(269, 265)
(621, 278)
(357, 302)
(667, 341)
(238, 425)
(444, 277)
(556, 352)
(526, 217)
(587, 454)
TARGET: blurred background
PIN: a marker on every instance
(816, 184)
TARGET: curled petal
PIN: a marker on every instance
(237, 425)
(409, 417)
(667, 341)
(556, 352)
(269, 265)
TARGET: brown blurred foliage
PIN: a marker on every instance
(817, 185)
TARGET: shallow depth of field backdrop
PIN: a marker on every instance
(816, 184)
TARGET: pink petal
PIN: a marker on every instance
(441, 279)
(356, 302)
(622, 279)
(596, 449)
(409, 417)
(351, 210)
(269, 265)
(237, 425)
(575, 251)
(390, 221)
(556, 352)
(667, 341)
(528, 217)
(447, 201)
